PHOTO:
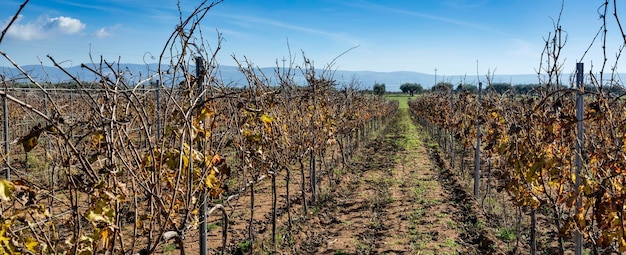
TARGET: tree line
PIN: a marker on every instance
(500, 88)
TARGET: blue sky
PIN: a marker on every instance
(405, 35)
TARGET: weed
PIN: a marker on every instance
(416, 215)
(381, 200)
(506, 234)
(315, 210)
(244, 246)
(231, 184)
(212, 226)
(389, 181)
(37, 167)
(417, 243)
(492, 203)
(479, 224)
(418, 191)
(285, 239)
(449, 253)
(452, 224)
(338, 172)
(363, 248)
(376, 224)
(449, 242)
(167, 249)
(433, 201)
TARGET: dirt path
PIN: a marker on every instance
(392, 200)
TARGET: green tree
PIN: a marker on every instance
(442, 87)
(379, 89)
(467, 87)
(500, 88)
(615, 90)
(404, 88)
(526, 89)
(411, 88)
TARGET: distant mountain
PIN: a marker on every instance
(231, 75)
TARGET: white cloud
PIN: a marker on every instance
(42, 28)
(102, 32)
(105, 31)
(66, 25)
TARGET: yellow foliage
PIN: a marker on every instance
(6, 189)
(267, 122)
(31, 244)
(6, 244)
(211, 180)
(96, 138)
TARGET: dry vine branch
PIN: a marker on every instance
(15, 17)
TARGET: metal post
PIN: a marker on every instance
(72, 117)
(200, 75)
(313, 142)
(478, 135)
(158, 109)
(579, 145)
(5, 106)
(533, 231)
(142, 137)
(313, 176)
(203, 207)
(53, 172)
(450, 130)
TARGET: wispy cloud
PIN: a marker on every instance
(230, 32)
(106, 31)
(88, 6)
(42, 28)
(253, 21)
(11, 3)
(102, 32)
(461, 23)
(465, 4)
(519, 47)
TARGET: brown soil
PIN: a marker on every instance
(397, 196)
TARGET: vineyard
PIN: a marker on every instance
(114, 167)
(531, 145)
(180, 161)
(547, 165)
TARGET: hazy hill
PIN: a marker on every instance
(231, 75)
